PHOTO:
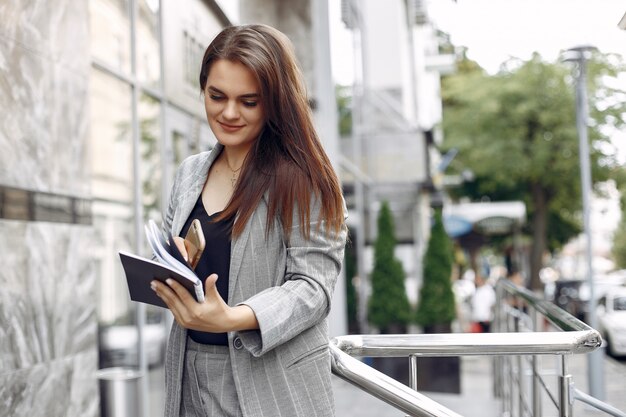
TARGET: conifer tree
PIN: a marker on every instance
(436, 302)
(389, 307)
(350, 268)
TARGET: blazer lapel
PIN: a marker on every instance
(193, 188)
(237, 248)
(255, 224)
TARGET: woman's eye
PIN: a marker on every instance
(250, 103)
(215, 97)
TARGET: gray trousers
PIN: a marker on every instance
(208, 385)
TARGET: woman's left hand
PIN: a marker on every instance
(213, 315)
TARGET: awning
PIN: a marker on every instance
(495, 218)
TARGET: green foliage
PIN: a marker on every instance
(516, 131)
(436, 300)
(343, 96)
(350, 269)
(388, 306)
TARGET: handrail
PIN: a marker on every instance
(468, 344)
(560, 318)
(594, 402)
(575, 337)
(385, 388)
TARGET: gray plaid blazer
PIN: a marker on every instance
(282, 369)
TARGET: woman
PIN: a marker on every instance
(274, 220)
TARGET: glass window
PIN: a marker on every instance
(187, 135)
(204, 137)
(110, 33)
(194, 51)
(113, 216)
(180, 147)
(148, 62)
(150, 133)
(111, 139)
(619, 304)
(155, 329)
(113, 175)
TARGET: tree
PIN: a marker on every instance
(350, 269)
(343, 96)
(516, 131)
(436, 301)
(388, 307)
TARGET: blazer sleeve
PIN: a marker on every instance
(304, 298)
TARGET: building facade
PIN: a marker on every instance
(397, 111)
(93, 123)
(100, 103)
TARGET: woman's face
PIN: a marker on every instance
(232, 100)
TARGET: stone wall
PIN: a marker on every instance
(48, 325)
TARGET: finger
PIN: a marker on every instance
(182, 292)
(209, 284)
(168, 296)
(180, 244)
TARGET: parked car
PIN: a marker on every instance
(612, 320)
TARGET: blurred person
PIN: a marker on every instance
(483, 303)
(516, 278)
(273, 216)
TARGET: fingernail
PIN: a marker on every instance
(153, 286)
(169, 281)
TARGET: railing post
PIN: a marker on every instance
(536, 367)
(510, 370)
(520, 371)
(413, 372)
(499, 326)
(566, 398)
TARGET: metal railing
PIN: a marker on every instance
(508, 345)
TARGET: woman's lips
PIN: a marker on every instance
(230, 128)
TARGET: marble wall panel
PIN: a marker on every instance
(45, 62)
(47, 293)
(58, 31)
(62, 388)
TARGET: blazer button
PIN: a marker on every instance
(237, 343)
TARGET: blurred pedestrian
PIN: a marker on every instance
(483, 303)
(273, 216)
(516, 278)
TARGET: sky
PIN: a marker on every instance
(495, 30)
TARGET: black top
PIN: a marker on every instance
(214, 259)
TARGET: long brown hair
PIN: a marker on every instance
(287, 160)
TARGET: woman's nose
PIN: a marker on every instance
(231, 110)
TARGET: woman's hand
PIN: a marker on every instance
(212, 315)
(182, 247)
